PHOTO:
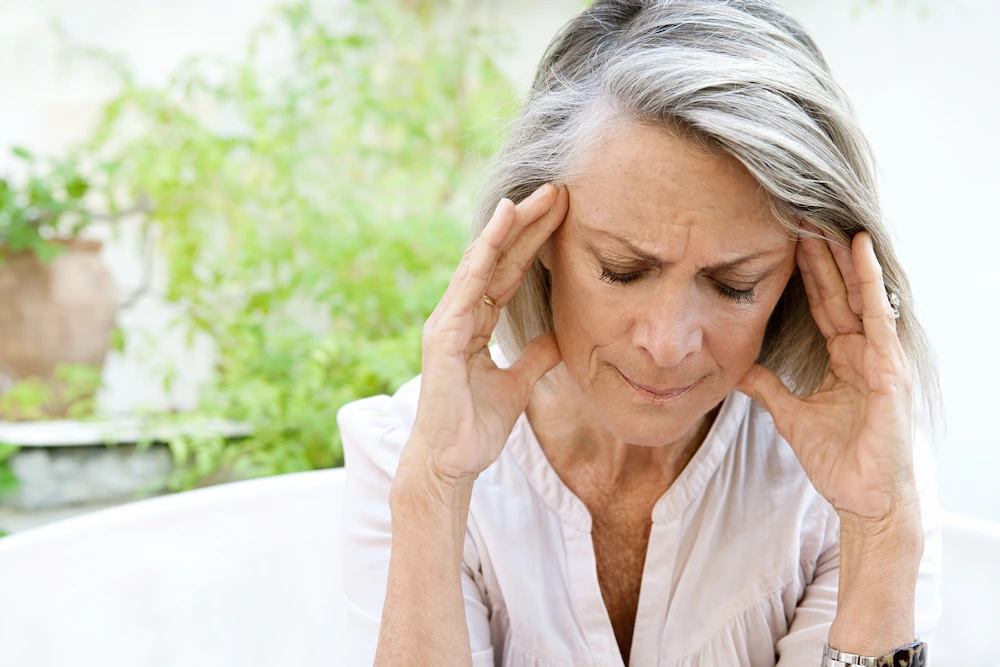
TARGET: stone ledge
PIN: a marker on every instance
(66, 463)
(66, 476)
(71, 433)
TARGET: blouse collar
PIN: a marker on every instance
(527, 452)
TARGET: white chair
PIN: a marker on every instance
(239, 575)
(969, 633)
(248, 575)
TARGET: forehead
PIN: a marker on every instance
(656, 188)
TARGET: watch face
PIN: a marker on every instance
(914, 655)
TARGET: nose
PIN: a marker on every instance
(669, 328)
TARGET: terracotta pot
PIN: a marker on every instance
(50, 314)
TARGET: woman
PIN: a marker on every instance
(687, 220)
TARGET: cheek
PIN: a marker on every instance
(734, 338)
(582, 303)
(735, 344)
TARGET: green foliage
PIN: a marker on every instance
(311, 200)
(49, 202)
(73, 386)
(8, 481)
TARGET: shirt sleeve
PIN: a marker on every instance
(810, 627)
(373, 435)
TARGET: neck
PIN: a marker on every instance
(580, 447)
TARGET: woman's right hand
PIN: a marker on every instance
(467, 405)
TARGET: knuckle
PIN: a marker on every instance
(461, 273)
(524, 265)
(429, 331)
(874, 279)
(495, 244)
(441, 339)
(898, 382)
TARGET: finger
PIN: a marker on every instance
(845, 262)
(539, 357)
(537, 204)
(829, 282)
(476, 267)
(519, 256)
(812, 294)
(880, 325)
(474, 272)
(764, 386)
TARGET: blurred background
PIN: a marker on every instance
(223, 220)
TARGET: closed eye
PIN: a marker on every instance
(727, 291)
(737, 295)
(622, 278)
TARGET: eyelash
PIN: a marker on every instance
(623, 278)
(731, 293)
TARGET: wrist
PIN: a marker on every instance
(879, 563)
(417, 481)
(903, 514)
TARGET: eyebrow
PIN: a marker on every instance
(658, 262)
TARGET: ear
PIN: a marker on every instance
(545, 254)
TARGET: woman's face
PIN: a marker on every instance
(664, 274)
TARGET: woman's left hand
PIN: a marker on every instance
(853, 436)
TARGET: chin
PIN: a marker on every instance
(646, 421)
(649, 428)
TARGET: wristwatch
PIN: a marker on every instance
(911, 655)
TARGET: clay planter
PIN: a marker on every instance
(50, 314)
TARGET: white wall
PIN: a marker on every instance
(924, 83)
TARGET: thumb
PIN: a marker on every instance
(764, 386)
(539, 357)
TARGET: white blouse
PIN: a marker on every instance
(741, 569)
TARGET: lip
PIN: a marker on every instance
(657, 395)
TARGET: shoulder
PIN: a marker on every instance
(761, 448)
(766, 486)
(376, 428)
(769, 478)
(766, 475)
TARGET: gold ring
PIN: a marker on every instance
(489, 300)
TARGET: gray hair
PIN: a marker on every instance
(740, 76)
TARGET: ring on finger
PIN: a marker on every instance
(489, 300)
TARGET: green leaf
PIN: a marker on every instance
(311, 234)
(77, 187)
(117, 342)
(8, 480)
(45, 250)
(7, 450)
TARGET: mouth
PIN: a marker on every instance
(657, 394)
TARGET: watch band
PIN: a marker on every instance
(911, 655)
